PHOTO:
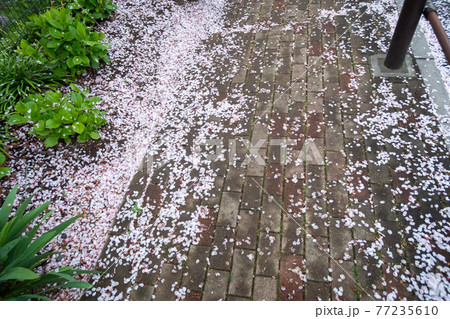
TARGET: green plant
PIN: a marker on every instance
(93, 9)
(22, 74)
(136, 209)
(66, 39)
(57, 117)
(4, 135)
(20, 254)
(3, 170)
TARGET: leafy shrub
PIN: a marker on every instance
(22, 74)
(20, 254)
(66, 39)
(93, 9)
(57, 117)
(3, 170)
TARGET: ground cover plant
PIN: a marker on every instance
(59, 117)
(21, 253)
(91, 10)
(67, 39)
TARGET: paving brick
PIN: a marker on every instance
(378, 173)
(369, 275)
(293, 195)
(253, 189)
(207, 225)
(334, 138)
(170, 280)
(315, 180)
(316, 258)
(222, 250)
(355, 150)
(337, 197)
(315, 102)
(298, 91)
(256, 164)
(343, 284)
(351, 128)
(274, 179)
(234, 179)
(383, 202)
(242, 273)
(216, 285)
(316, 217)
(195, 272)
(214, 197)
(313, 151)
(340, 240)
(265, 289)
(271, 213)
(335, 166)
(293, 235)
(260, 132)
(229, 209)
(359, 185)
(281, 102)
(292, 278)
(330, 74)
(317, 291)
(315, 125)
(144, 293)
(277, 151)
(278, 125)
(247, 229)
(315, 74)
(299, 72)
(364, 223)
(267, 254)
(294, 165)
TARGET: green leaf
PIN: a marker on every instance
(17, 119)
(7, 248)
(78, 127)
(4, 171)
(82, 118)
(42, 241)
(94, 135)
(51, 141)
(53, 44)
(52, 124)
(29, 297)
(18, 273)
(7, 206)
(77, 284)
(81, 29)
(76, 60)
(76, 98)
(75, 88)
(21, 225)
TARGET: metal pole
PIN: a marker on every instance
(404, 31)
(432, 17)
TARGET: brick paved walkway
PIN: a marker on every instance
(277, 230)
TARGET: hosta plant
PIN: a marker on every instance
(93, 9)
(67, 39)
(57, 117)
(21, 253)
